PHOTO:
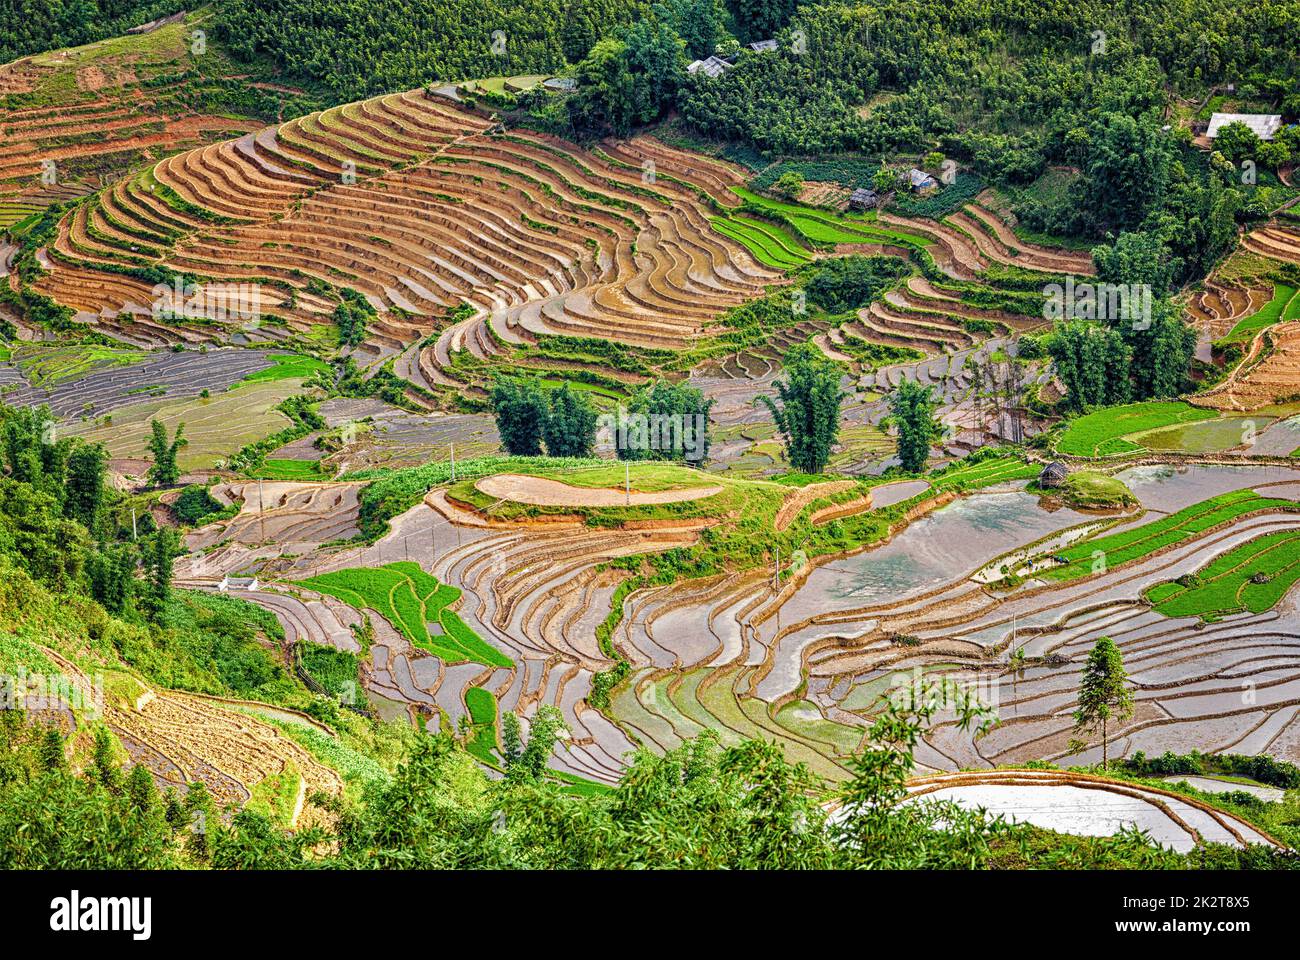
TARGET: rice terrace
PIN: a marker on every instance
(691, 435)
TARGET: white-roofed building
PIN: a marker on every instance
(1264, 125)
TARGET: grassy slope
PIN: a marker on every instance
(1101, 433)
(1285, 302)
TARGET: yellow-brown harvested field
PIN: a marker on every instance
(420, 206)
(1269, 374)
(88, 114)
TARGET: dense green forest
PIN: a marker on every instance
(357, 47)
(33, 26)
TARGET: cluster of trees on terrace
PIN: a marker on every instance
(60, 516)
(1121, 358)
(565, 422)
(527, 415)
(356, 48)
(77, 556)
(85, 564)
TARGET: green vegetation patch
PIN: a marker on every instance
(945, 200)
(736, 495)
(335, 670)
(1285, 305)
(1092, 491)
(289, 366)
(770, 244)
(1102, 432)
(1252, 577)
(393, 492)
(1126, 546)
(45, 365)
(411, 600)
(300, 470)
(824, 227)
(482, 707)
(984, 472)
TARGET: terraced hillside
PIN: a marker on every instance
(805, 659)
(75, 120)
(418, 206)
(225, 745)
(331, 543)
(1278, 241)
(1248, 308)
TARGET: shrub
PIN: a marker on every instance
(193, 504)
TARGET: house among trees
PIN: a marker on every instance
(1263, 125)
(921, 182)
(1053, 475)
(713, 67)
(864, 199)
(763, 46)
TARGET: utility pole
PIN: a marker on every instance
(1017, 665)
(453, 463)
(261, 508)
(135, 535)
(627, 483)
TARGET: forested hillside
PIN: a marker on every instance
(357, 47)
(32, 26)
(1022, 80)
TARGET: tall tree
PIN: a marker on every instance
(520, 409)
(808, 414)
(33, 452)
(111, 571)
(159, 553)
(676, 421)
(1128, 167)
(544, 731)
(1093, 363)
(760, 19)
(85, 485)
(1162, 352)
(164, 472)
(1237, 142)
(696, 22)
(629, 82)
(913, 408)
(570, 427)
(1103, 693)
(1136, 257)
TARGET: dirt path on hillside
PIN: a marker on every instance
(541, 492)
